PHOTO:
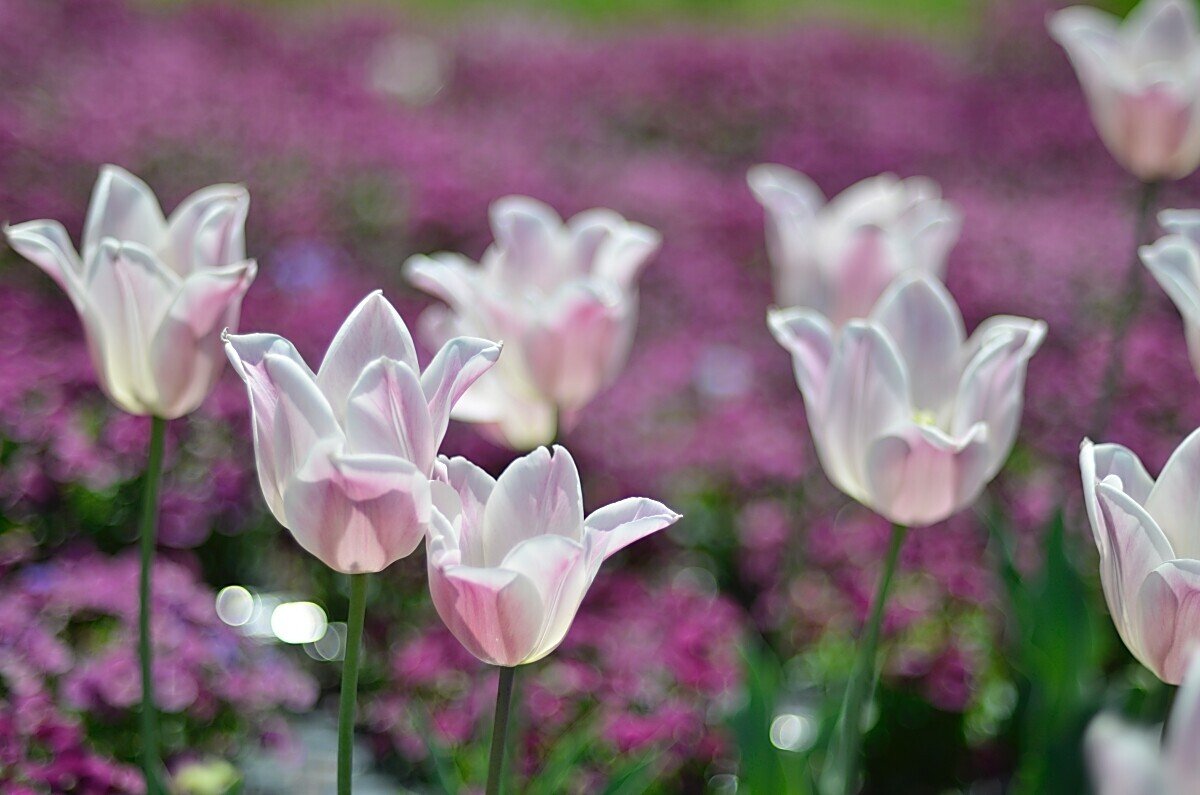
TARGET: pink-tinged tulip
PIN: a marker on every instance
(563, 299)
(1145, 531)
(1174, 260)
(839, 257)
(1142, 81)
(510, 559)
(1129, 760)
(345, 456)
(909, 417)
(153, 293)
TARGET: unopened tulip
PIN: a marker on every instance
(1142, 81)
(345, 456)
(1130, 760)
(1174, 260)
(839, 257)
(1145, 530)
(153, 293)
(909, 417)
(510, 559)
(563, 299)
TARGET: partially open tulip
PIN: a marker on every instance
(345, 456)
(511, 559)
(153, 293)
(1130, 760)
(1142, 81)
(839, 257)
(909, 417)
(563, 299)
(1174, 260)
(1145, 531)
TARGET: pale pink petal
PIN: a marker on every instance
(610, 529)
(186, 353)
(538, 494)
(1099, 461)
(496, 614)
(47, 245)
(1174, 502)
(386, 414)
(455, 367)
(1174, 261)
(373, 330)
(919, 475)
(866, 263)
(1183, 736)
(450, 277)
(474, 487)
(1181, 222)
(207, 229)
(620, 254)
(1161, 30)
(302, 418)
(557, 567)
(529, 237)
(1123, 759)
(808, 336)
(792, 202)
(123, 207)
(1168, 616)
(357, 513)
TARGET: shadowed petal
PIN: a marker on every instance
(1174, 501)
(1168, 606)
(538, 494)
(496, 614)
(558, 569)
(1124, 760)
(455, 367)
(927, 328)
(920, 476)
(387, 414)
(808, 336)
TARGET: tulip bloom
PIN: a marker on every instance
(909, 417)
(562, 297)
(345, 456)
(839, 257)
(1127, 760)
(1142, 81)
(1145, 531)
(153, 293)
(510, 559)
(1174, 260)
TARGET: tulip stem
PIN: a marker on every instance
(842, 768)
(146, 539)
(349, 695)
(504, 692)
(1127, 309)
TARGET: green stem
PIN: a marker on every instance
(504, 692)
(842, 769)
(1127, 310)
(354, 627)
(147, 530)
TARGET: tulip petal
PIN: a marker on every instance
(1181, 222)
(373, 330)
(357, 513)
(557, 568)
(538, 494)
(1174, 502)
(927, 328)
(186, 352)
(450, 277)
(866, 397)
(791, 201)
(474, 487)
(456, 366)
(387, 414)
(920, 476)
(610, 529)
(496, 614)
(1174, 261)
(207, 229)
(1097, 463)
(123, 207)
(1134, 546)
(1124, 760)
(1168, 616)
(303, 417)
(624, 252)
(992, 387)
(529, 236)
(1090, 36)
(47, 245)
(1183, 736)
(808, 336)
(1161, 30)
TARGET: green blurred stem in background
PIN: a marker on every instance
(147, 532)
(349, 696)
(499, 754)
(841, 768)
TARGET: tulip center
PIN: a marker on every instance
(925, 417)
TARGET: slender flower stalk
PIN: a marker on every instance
(1127, 310)
(499, 755)
(147, 532)
(349, 695)
(842, 769)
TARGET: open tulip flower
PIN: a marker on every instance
(1174, 260)
(839, 257)
(1145, 530)
(511, 559)
(563, 299)
(1142, 81)
(153, 293)
(345, 456)
(909, 417)
(1129, 760)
